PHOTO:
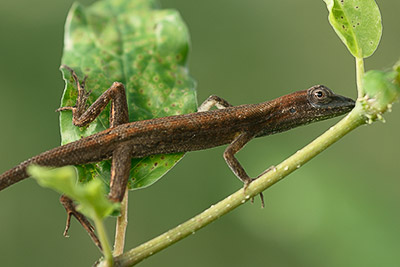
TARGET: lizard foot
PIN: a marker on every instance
(83, 95)
(248, 182)
(71, 211)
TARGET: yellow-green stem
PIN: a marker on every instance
(350, 122)
(360, 74)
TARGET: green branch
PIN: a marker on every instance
(349, 123)
(381, 89)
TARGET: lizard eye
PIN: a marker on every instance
(319, 95)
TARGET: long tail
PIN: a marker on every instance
(49, 158)
(69, 154)
(15, 174)
(19, 173)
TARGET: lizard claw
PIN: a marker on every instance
(267, 170)
(261, 194)
(261, 198)
(83, 83)
(82, 98)
(65, 108)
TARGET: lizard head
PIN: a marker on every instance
(324, 104)
(303, 107)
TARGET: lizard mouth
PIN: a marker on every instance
(338, 105)
(342, 103)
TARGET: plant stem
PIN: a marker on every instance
(122, 223)
(350, 122)
(360, 75)
(105, 244)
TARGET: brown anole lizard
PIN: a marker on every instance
(233, 125)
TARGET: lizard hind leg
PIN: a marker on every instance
(121, 162)
(118, 115)
(69, 206)
(82, 97)
(83, 115)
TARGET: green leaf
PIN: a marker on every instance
(382, 88)
(91, 196)
(358, 23)
(146, 49)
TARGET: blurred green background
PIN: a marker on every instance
(341, 209)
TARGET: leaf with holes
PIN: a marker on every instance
(145, 48)
(358, 23)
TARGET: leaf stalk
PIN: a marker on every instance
(105, 244)
(359, 76)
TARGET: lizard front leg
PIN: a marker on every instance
(212, 101)
(237, 144)
(229, 155)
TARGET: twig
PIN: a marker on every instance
(349, 123)
(122, 223)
